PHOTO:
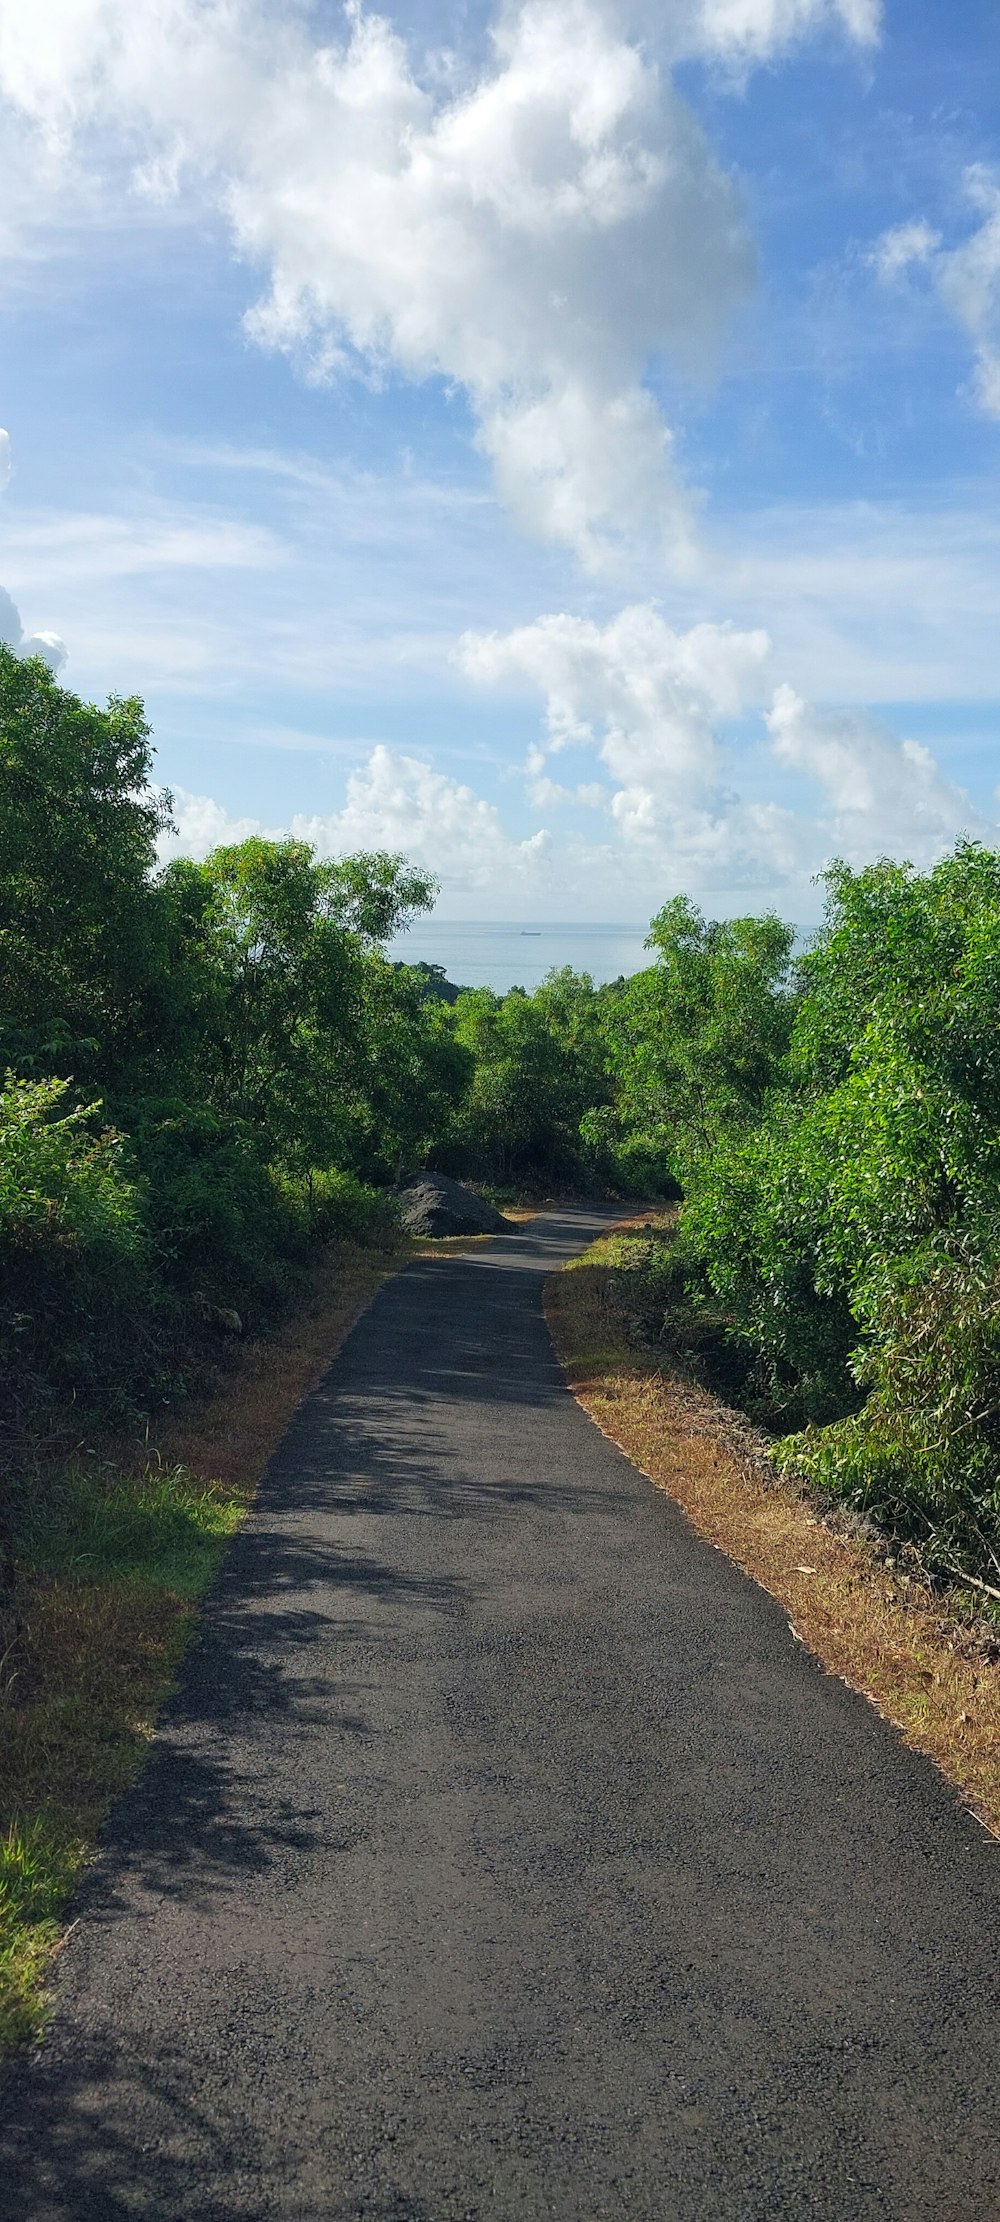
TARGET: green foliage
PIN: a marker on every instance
(535, 1067)
(757, 1224)
(922, 1454)
(61, 1185)
(219, 1223)
(696, 1042)
(74, 1253)
(309, 1041)
(259, 1061)
(82, 945)
(853, 1231)
(337, 1207)
(375, 894)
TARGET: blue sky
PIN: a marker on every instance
(563, 443)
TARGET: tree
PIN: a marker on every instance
(536, 1062)
(375, 894)
(696, 1042)
(308, 1039)
(82, 943)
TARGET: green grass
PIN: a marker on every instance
(94, 1524)
(37, 1873)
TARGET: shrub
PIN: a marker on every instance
(633, 1163)
(922, 1456)
(342, 1208)
(74, 1248)
(854, 1231)
(220, 1223)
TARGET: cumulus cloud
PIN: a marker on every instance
(402, 802)
(652, 705)
(538, 231)
(537, 235)
(880, 794)
(965, 278)
(392, 802)
(672, 820)
(48, 646)
(647, 698)
(200, 824)
(649, 701)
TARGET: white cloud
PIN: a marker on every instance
(649, 703)
(904, 245)
(581, 467)
(402, 802)
(392, 802)
(753, 30)
(202, 824)
(645, 697)
(66, 545)
(870, 602)
(549, 794)
(48, 646)
(966, 278)
(537, 236)
(5, 459)
(862, 792)
(880, 794)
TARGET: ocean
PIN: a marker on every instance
(484, 954)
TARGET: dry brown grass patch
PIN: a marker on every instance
(230, 1435)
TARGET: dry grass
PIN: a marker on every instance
(929, 1670)
(230, 1436)
(116, 1552)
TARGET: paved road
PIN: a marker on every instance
(503, 1856)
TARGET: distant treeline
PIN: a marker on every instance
(213, 1066)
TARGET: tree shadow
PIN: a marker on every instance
(196, 2167)
(62, 2165)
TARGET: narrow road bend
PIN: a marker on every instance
(503, 1856)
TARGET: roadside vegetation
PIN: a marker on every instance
(918, 1649)
(216, 1081)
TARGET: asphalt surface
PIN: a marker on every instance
(503, 1855)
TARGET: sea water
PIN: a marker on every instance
(484, 954)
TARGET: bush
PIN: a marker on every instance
(757, 1224)
(632, 1163)
(220, 1223)
(341, 1208)
(853, 1231)
(75, 1255)
(922, 1456)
